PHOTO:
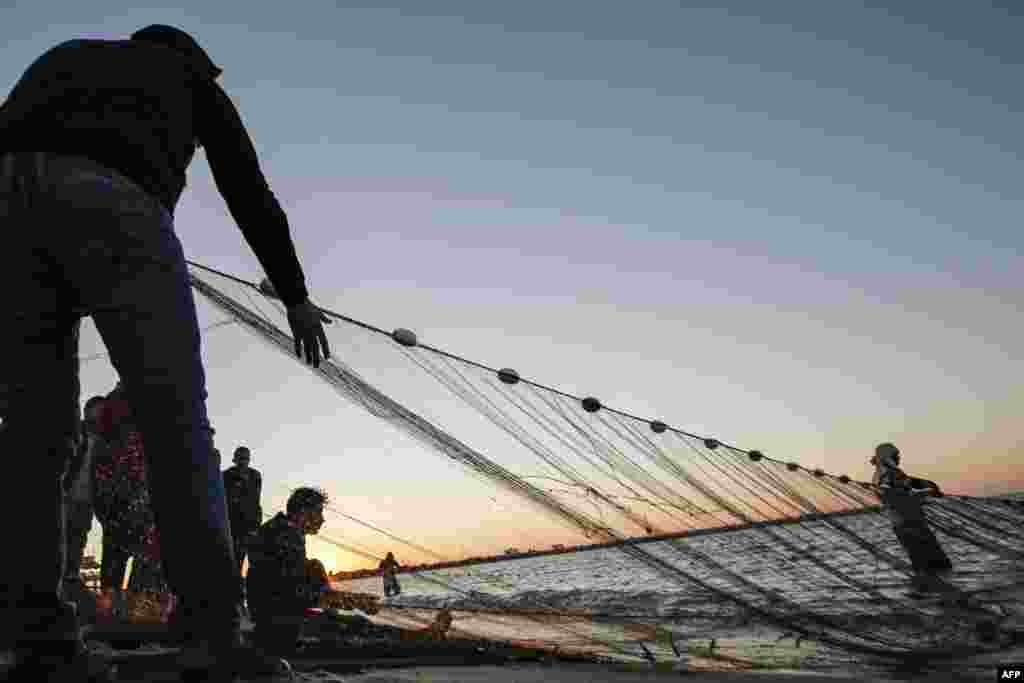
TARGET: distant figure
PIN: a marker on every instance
(78, 490)
(388, 566)
(243, 486)
(283, 582)
(903, 498)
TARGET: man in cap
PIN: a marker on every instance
(95, 140)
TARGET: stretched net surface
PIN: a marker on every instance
(664, 536)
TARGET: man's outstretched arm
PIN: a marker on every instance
(236, 171)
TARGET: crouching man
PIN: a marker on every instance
(282, 582)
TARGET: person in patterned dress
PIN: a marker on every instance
(122, 503)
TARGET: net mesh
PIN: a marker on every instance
(666, 535)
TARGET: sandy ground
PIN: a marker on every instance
(592, 674)
(566, 673)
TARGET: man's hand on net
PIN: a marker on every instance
(307, 321)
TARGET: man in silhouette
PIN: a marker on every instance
(387, 567)
(79, 510)
(78, 489)
(95, 141)
(243, 486)
(903, 499)
(283, 582)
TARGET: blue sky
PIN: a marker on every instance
(792, 225)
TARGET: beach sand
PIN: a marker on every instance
(563, 673)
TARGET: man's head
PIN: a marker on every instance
(242, 457)
(306, 509)
(886, 455)
(178, 40)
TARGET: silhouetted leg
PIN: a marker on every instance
(39, 367)
(127, 268)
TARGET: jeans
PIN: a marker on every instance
(78, 239)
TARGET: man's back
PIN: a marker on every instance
(139, 107)
(902, 504)
(127, 104)
(278, 560)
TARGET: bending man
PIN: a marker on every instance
(95, 140)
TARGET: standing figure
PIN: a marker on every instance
(113, 555)
(78, 512)
(95, 141)
(903, 499)
(78, 489)
(243, 486)
(388, 566)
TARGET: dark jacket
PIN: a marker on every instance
(279, 581)
(388, 566)
(243, 495)
(902, 504)
(139, 108)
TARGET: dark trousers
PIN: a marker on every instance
(926, 555)
(241, 534)
(391, 586)
(80, 240)
(113, 563)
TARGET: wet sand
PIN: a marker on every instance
(594, 674)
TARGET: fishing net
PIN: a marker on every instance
(662, 536)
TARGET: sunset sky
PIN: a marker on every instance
(794, 226)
